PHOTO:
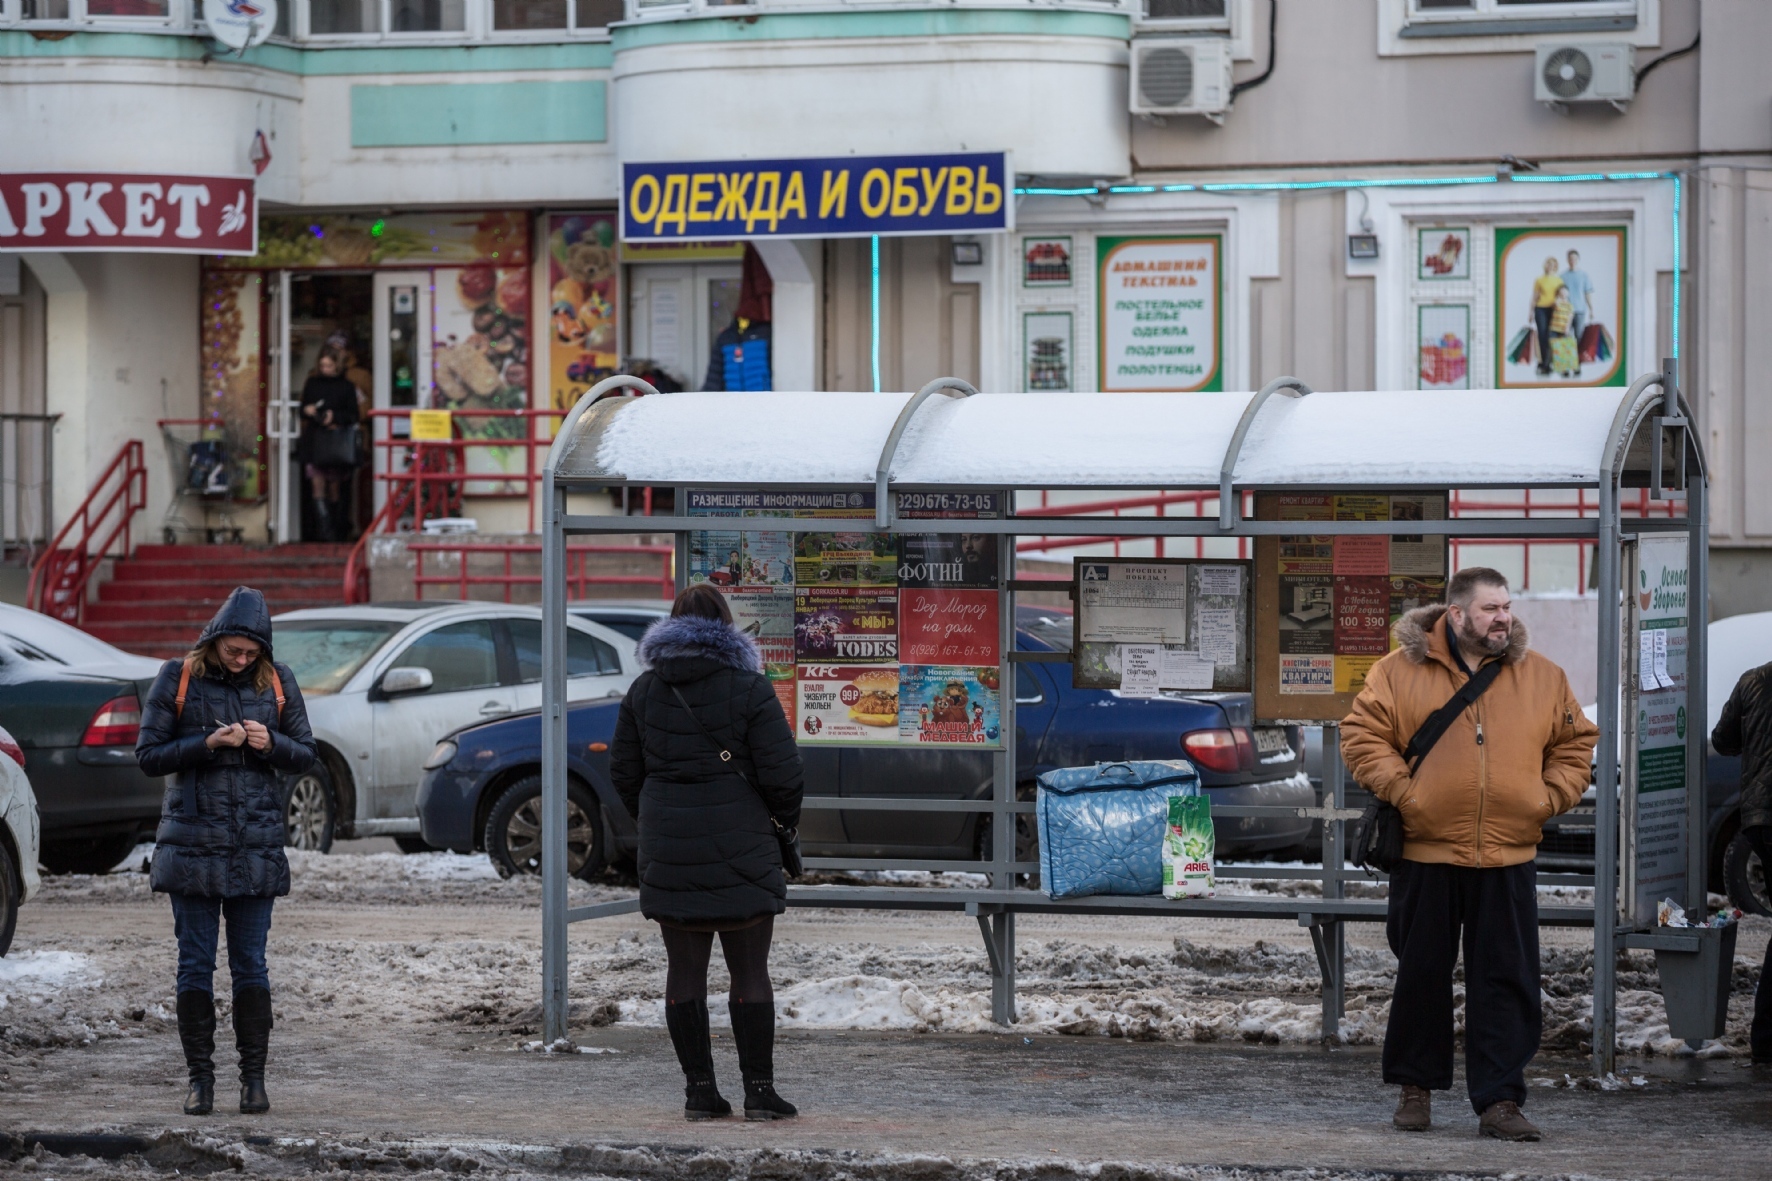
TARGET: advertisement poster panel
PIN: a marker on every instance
(1560, 306)
(942, 626)
(1655, 784)
(583, 346)
(480, 361)
(845, 625)
(1161, 324)
(847, 704)
(949, 705)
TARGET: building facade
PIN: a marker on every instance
(1390, 194)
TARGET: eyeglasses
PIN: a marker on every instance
(234, 652)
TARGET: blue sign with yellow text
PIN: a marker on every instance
(839, 197)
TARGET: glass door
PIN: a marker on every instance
(402, 359)
(675, 313)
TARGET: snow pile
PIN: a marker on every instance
(37, 976)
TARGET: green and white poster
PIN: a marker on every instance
(1160, 316)
(1655, 770)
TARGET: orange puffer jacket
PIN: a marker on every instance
(1516, 757)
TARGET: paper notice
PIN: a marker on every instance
(1662, 676)
(1221, 580)
(1647, 681)
(1140, 666)
(1177, 669)
(1218, 635)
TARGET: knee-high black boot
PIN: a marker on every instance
(252, 1037)
(196, 1030)
(753, 1031)
(688, 1023)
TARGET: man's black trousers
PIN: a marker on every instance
(1496, 910)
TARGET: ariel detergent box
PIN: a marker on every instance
(1187, 848)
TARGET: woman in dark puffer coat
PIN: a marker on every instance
(219, 849)
(708, 857)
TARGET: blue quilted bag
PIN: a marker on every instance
(1101, 827)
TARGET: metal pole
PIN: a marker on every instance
(1697, 687)
(1605, 1013)
(1334, 859)
(280, 408)
(553, 761)
(1005, 834)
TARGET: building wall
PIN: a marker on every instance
(929, 323)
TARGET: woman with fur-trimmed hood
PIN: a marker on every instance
(704, 759)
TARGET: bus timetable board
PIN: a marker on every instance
(1325, 604)
(1145, 625)
(869, 638)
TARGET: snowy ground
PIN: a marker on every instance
(1212, 982)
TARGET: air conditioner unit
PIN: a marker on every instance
(1585, 73)
(1181, 76)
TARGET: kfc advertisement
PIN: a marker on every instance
(128, 212)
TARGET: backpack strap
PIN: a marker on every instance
(184, 690)
(277, 688)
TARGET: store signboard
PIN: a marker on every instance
(131, 212)
(1656, 763)
(835, 197)
(869, 638)
(1161, 323)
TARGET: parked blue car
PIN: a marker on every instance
(482, 786)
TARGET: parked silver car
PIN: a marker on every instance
(19, 835)
(384, 682)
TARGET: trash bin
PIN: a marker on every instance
(1697, 965)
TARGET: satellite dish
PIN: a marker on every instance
(240, 24)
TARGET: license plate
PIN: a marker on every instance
(1272, 740)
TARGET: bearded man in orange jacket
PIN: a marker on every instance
(1473, 814)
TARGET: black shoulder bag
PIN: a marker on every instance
(787, 838)
(1378, 837)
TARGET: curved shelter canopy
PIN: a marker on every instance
(1468, 438)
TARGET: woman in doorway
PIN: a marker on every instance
(329, 443)
(704, 758)
(224, 724)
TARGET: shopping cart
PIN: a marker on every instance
(203, 475)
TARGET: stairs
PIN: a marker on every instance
(157, 601)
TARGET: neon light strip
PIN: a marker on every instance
(876, 307)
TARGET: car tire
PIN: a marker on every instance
(11, 892)
(409, 844)
(1745, 875)
(310, 810)
(91, 855)
(513, 830)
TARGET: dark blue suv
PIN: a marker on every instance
(482, 787)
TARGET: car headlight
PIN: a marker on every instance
(441, 756)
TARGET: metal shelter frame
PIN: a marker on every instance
(1650, 443)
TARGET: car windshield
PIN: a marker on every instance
(1051, 628)
(323, 653)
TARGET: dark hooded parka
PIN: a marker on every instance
(221, 824)
(708, 853)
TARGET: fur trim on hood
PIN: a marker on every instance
(1413, 629)
(688, 636)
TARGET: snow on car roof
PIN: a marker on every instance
(1464, 438)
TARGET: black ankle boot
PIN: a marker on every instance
(252, 1037)
(753, 1031)
(196, 1031)
(688, 1023)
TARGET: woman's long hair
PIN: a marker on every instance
(205, 661)
(703, 602)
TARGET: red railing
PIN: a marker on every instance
(579, 578)
(61, 576)
(425, 480)
(1585, 503)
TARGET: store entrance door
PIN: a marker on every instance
(326, 310)
(675, 311)
(402, 361)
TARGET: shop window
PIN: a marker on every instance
(44, 10)
(1428, 18)
(599, 14)
(115, 8)
(333, 17)
(427, 16)
(1205, 11)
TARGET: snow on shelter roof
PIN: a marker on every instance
(1387, 438)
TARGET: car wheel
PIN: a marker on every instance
(10, 890)
(513, 830)
(1027, 845)
(93, 855)
(1745, 875)
(308, 812)
(413, 845)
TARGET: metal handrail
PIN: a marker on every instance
(129, 497)
(952, 387)
(1227, 470)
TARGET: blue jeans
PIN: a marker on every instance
(197, 922)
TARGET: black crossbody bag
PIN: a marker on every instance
(787, 838)
(1378, 838)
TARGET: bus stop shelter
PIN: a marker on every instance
(922, 464)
